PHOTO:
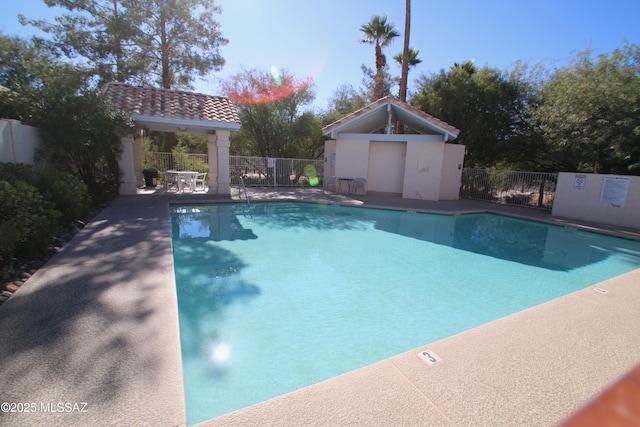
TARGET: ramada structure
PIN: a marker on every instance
(168, 110)
(419, 164)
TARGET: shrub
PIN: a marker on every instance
(28, 221)
(69, 195)
(12, 172)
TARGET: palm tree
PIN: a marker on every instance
(380, 34)
(468, 67)
(412, 56)
(412, 60)
(404, 76)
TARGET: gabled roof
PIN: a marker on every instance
(390, 110)
(171, 110)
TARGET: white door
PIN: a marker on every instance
(386, 166)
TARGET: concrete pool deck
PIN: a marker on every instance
(92, 339)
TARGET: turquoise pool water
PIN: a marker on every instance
(286, 295)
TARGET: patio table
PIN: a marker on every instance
(349, 182)
(180, 177)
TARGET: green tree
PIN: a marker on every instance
(345, 100)
(370, 84)
(105, 35)
(590, 114)
(183, 39)
(81, 133)
(271, 110)
(380, 34)
(168, 42)
(79, 128)
(491, 110)
(22, 62)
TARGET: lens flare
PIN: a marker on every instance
(310, 172)
(273, 83)
(267, 91)
(220, 353)
(275, 75)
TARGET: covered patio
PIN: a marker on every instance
(165, 110)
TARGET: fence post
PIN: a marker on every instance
(541, 191)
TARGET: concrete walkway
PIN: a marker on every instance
(92, 339)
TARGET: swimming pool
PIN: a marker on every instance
(286, 295)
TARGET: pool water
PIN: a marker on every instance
(278, 296)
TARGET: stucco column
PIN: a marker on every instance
(126, 163)
(212, 152)
(137, 157)
(224, 178)
(218, 149)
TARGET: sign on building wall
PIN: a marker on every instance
(579, 181)
(423, 164)
(614, 191)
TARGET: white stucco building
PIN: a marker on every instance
(422, 165)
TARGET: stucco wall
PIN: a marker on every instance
(352, 158)
(579, 196)
(329, 158)
(18, 142)
(386, 166)
(427, 168)
(451, 171)
(423, 170)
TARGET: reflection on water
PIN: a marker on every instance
(214, 223)
(511, 239)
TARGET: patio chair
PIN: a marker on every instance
(360, 183)
(330, 184)
(188, 180)
(200, 182)
(170, 181)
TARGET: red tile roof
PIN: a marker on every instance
(169, 103)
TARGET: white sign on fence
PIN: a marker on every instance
(271, 162)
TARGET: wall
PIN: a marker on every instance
(18, 142)
(352, 157)
(423, 168)
(451, 171)
(578, 196)
(329, 158)
(386, 167)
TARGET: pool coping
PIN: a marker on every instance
(98, 325)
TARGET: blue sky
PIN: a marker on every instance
(321, 38)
